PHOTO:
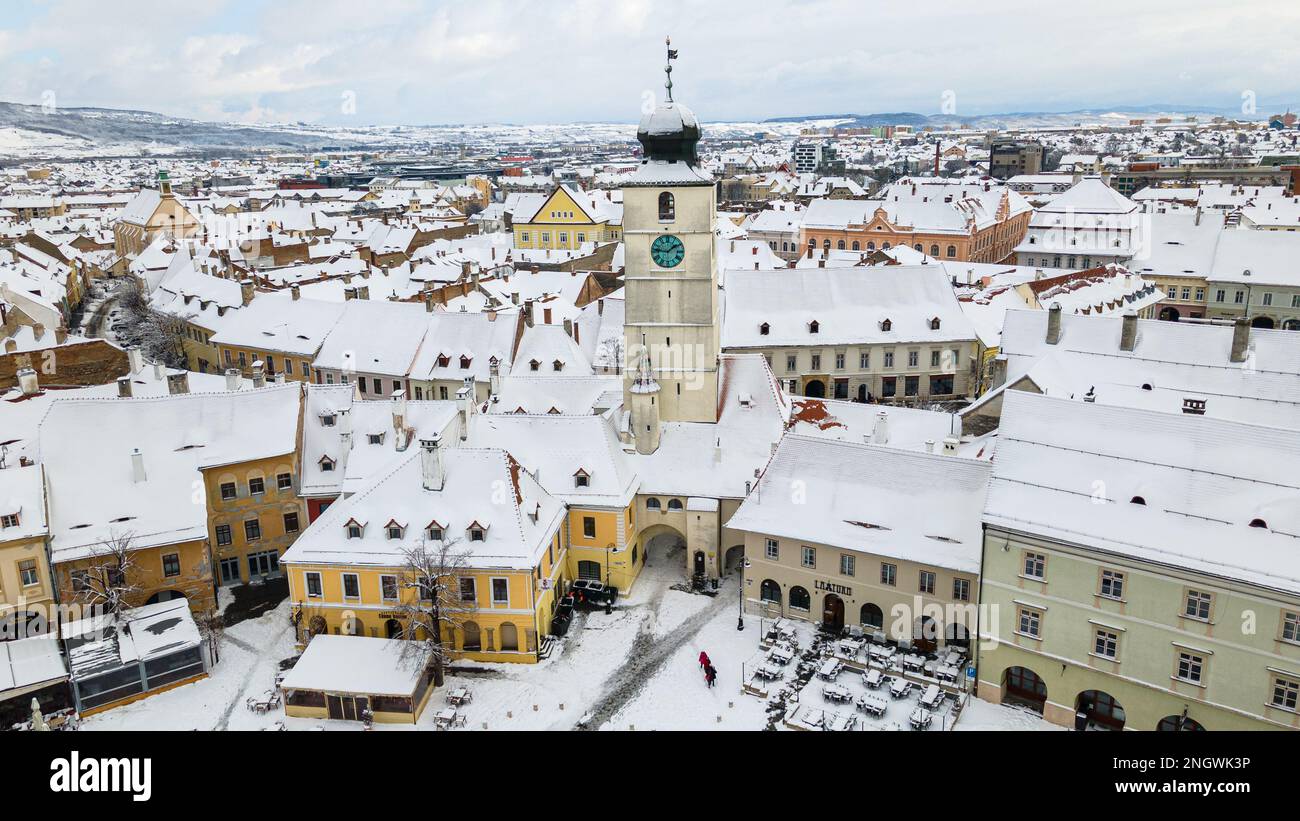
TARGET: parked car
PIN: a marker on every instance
(593, 593)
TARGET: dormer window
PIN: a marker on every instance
(814, 327)
(434, 532)
(1138, 500)
(534, 365)
(582, 479)
(1259, 523)
(935, 323)
(465, 362)
(557, 365)
(887, 325)
(443, 360)
(327, 464)
(354, 529)
(395, 531)
(477, 532)
(765, 329)
(9, 520)
(375, 438)
(328, 420)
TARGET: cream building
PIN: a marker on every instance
(1139, 569)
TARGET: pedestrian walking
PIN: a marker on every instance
(710, 675)
(704, 659)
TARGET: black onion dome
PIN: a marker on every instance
(670, 133)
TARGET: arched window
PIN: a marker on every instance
(667, 207)
(886, 246)
(952, 252)
(934, 251)
(799, 598)
(857, 246)
(917, 246)
(674, 504)
(770, 591)
(826, 245)
(871, 246)
(471, 637)
(840, 245)
(653, 504)
(872, 617)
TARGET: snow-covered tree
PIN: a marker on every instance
(433, 570)
(108, 583)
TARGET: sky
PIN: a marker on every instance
(425, 62)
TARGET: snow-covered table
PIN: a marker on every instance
(921, 718)
(875, 705)
(873, 678)
(781, 654)
(913, 662)
(837, 693)
(768, 672)
(900, 688)
(882, 652)
(830, 669)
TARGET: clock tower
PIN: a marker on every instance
(672, 324)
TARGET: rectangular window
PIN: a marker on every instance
(284, 481)
(1198, 605)
(1106, 644)
(388, 587)
(1112, 584)
(171, 565)
(888, 387)
(223, 535)
(256, 486)
(1286, 693)
(791, 362)
(468, 592)
(889, 574)
(1220, 296)
(913, 359)
(1030, 623)
(1291, 627)
(351, 586)
(809, 557)
(864, 361)
(911, 386)
(839, 361)
(889, 359)
(291, 523)
(934, 359)
(773, 550)
(228, 491)
(961, 589)
(816, 362)
(252, 530)
(1191, 667)
(589, 527)
(9, 520)
(927, 582)
(500, 591)
(846, 565)
(314, 586)
(1035, 566)
(27, 574)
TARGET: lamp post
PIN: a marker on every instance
(610, 550)
(740, 616)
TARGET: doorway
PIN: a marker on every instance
(833, 613)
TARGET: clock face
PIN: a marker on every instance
(667, 251)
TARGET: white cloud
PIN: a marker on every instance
(424, 61)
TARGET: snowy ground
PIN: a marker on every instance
(634, 669)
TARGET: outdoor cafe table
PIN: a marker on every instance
(836, 692)
(850, 647)
(921, 718)
(767, 672)
(882, 652)
(445, 718)
(829, 669)
(872, 704)
(913, 662)
(781, 655)
(948, 673)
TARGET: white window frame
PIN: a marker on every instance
(320, 584)
(499, 602)
(344, 586)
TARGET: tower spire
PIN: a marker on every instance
(668, 67)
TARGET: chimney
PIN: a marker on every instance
(259, 374)
(159, 371)
(600, 307)
(349, 294)
(399, 410)
(124, 387)
(232, 379)
(135, 360)
(528, 313)
(428, 301)
(28, 382)
(177, 382)
(363, 292)
(295, 292)
(11, 345)
(929, 446)
(568, 328)
(494, 369)
(246, 290)
(137, 466)
(1240, 339)
(1128, 335)
(950, 444)
(1054, 324)
(881, 434)
(60, 335)
(431, 470)
(38, 331)
(465, 397)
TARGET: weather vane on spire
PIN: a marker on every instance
(668, 69)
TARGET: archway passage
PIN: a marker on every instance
(814, 389)
(1098, 710)
(509, 636)
(1179, 723)
(165, 595)
(393, 629)
(472, 638)
(833, 613)
(1022, 687)
(1170, 314)
(956, 635)
(734, 558)
(1263, 322)
(926, 638)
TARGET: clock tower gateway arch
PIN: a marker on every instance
(672, 325)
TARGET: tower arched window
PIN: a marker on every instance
(952, 251)
(667, 207)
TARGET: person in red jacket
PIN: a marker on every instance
(704, 659)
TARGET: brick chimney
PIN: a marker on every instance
(246, 291)
(124, 387)
(137, 467)
(178, 382)
(28, 383)
(1054, 324)
(431, 468)
(1129, 332)
(1240, 339)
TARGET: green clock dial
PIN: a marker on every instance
(667, 251)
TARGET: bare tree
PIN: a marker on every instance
(212, 626)
(432, 571)
(108, 582)
(161, 336)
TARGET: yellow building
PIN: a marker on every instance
(26, 586)
(151, 214)
(352, 573)
(568, 219)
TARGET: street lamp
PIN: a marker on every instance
(610, 550)
(740, 616)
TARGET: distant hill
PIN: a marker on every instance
(109, 127)
(1016, 119)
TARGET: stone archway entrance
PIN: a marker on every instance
(814, 389)
(1263, 323)
(1170, 314)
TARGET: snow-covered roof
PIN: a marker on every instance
(30, 661)
(1203, 482)
(357, 665)
(103, 644)
(915, 507)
